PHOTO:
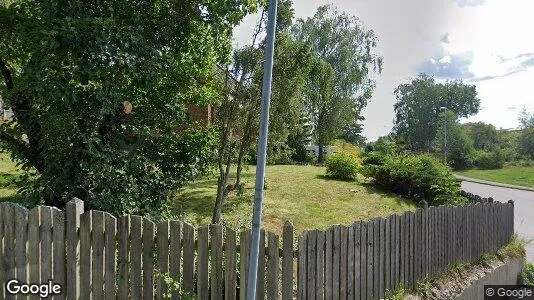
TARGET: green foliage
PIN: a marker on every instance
(459, 147)
(419, 104)
(71, 65)
(343, 165)
(525, 143)
(488, 160)
(526, 118)
(514, 249)
(485, 137)
(174, 286)
(526, 277)
(341, 81)
(383, 145)
(420, 177)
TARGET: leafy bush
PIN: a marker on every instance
(420, 177)
(488, 160)
(527, 274)
(342, 165)
(526, 143)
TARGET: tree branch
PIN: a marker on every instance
(6, 73)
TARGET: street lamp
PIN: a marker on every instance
(445, 135)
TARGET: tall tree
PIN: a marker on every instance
(98, 90)
(526, 118)
(346, 59)
(419, 104)
(240, 110)
(485, 136)
(459, 147)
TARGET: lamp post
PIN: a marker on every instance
(445, 135)
(252, 277)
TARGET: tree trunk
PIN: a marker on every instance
(320, 156)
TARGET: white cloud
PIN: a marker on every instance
(469, 38)
(445, 59)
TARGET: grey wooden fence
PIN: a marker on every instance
(94, 255)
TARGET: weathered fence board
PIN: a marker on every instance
(136, 254)
(189, 258)
(216, 262)
(175, 240)
(202, 263)
(230, 276)
(272, 266)
(287, 262)
(126, 258)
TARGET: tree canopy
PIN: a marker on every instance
(98, 90)
(340, 82)
(419, 104)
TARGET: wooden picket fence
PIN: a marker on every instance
(94, 255)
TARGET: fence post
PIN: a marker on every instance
(74, 209)
(511, 221)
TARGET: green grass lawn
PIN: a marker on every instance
(516, 175)
(9, 173)
(300, 194)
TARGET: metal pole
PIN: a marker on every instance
(445, 148)
(262, 153)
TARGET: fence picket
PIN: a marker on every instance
(319, 283)
(162, 242)
(366, 260)
(216, 262)
(370, 256)
(350, 263)
(202, 263)
(272, 266)
(363, 259)
(85, 254)
(136, 254)
(110, 234)
(175, 240)
(244, 244)
(21, 226)
(189, 258)
(329, 250)
(343, 263)
(97, 244)
(302, 266)
(357, 259)
(9, 244)
(311, 262)
(124, 257)
(230, 276)
(260, 284)
(287, 262)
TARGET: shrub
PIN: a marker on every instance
(526, 143)
(420, 177)
(342, 165)
(489, 160)
(527, 274)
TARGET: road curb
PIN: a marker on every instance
(504, 185)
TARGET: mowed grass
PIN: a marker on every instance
(300, 194)
(516, 175)
(9, 174)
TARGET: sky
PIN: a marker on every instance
(488, 43)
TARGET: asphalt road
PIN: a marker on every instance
(523, 204)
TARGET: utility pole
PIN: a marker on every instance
(262, 153)
(445, 136)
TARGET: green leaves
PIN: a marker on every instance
(74, 63)
(419, 104)
(340, 81)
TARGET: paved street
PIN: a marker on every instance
(524, 208)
